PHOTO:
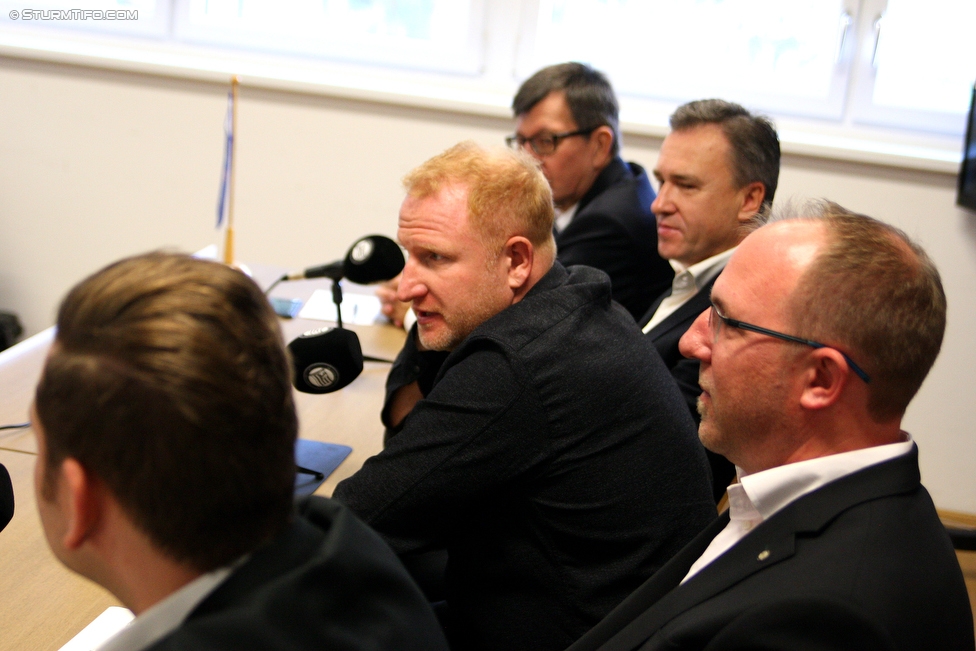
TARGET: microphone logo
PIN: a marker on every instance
(315, 333)
(361, 251)
(321, 375)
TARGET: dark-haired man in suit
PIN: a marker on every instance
(821, 330)
(717, 171)
(566, 118)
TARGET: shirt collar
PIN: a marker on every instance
(703, 272)
(563, 217)
(764, 493)
(166, 616)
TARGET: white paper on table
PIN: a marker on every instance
(102, 628)
(358, 309)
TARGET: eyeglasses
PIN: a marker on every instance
(545, 144)
(733, 323)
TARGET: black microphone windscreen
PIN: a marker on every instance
(372, 259)
(6, 498)
(333, 270)
(325, 360)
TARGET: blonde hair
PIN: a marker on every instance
(507, 193)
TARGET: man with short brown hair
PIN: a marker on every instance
(556, 470)
(820, 332)
(165, 473)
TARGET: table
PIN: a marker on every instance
(42, 604)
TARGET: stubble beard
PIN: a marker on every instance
(444, 341)
(456, 329)
(703, 424)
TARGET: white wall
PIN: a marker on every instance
(95, 165)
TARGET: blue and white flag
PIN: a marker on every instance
(224, 198)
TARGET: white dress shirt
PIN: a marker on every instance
(687, 282)
(166, 616)
(760, 495)
(563, 217)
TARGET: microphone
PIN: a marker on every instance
(370, 259)
(325, 359)
(332, 270)
(6, 498)
(373, 259)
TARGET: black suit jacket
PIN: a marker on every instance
(864, 558)
(665, 337)
(615, 231)
(326, 582)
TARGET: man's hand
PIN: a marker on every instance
(393, 309)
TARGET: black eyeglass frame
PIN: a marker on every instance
(516, 141)
(742, 325)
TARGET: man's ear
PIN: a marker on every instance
(602, 141)
(825, 376)
(520, 256)
(752, 200)
(83, 503)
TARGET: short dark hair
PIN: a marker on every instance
(753, 142)
(877, 293)
(169, 381)
(589, 96)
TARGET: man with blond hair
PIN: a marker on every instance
(821, 330)
(556, 471)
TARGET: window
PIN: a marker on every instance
(911, 62)
(917, 65)
(434, 34)
(751, 51)
(900, 68)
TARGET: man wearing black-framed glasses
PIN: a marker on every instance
(831, 541)
(716, 319)
(566, 118)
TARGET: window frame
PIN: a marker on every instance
(487, 93)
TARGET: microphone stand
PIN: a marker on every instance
(337, 299)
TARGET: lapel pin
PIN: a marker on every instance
(763, 555)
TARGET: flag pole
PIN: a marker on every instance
(229, 232)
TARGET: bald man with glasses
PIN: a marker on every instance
(716, 319)
(830, 541)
